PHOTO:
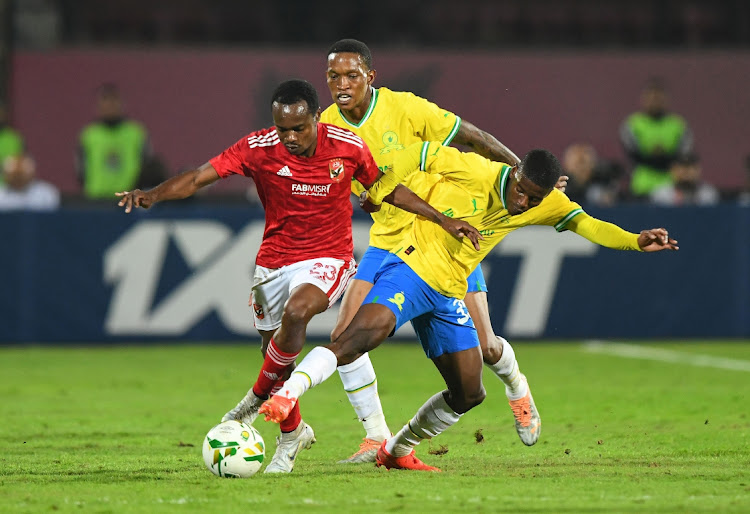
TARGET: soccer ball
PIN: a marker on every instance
(233, 450)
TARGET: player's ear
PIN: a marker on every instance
(318, 114)
(371, 77)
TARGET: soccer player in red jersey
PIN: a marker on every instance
(302, 170)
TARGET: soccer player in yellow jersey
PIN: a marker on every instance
(388, 121)
(424, 280)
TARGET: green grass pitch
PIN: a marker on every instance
(119, 429)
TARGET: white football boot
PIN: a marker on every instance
(288, 446)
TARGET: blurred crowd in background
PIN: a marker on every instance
(438, 23)
(661, 164)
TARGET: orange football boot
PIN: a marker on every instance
(408, 462)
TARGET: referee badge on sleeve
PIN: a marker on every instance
(336, 169)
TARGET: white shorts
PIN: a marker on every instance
(273, 286)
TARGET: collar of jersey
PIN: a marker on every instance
(503, 183)
(370, 108)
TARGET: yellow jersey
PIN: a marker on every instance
(393, 121)
(473, 189)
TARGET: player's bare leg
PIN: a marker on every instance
(355, 294)
(291, 440)
(305, 301)
(360, 382)
(462, 372)
(477, 304)
(280, 348)
(498, 355)
(370, 327)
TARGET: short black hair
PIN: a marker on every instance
(295, 90)
(541, 167)
(352, 46)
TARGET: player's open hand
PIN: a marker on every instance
(655, 240)
(460, 229)
(366, 204)
(562, 183)
(135, 198)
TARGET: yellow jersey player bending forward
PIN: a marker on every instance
(424, 280)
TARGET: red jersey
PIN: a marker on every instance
(306, 199)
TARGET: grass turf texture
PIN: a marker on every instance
(119, 429)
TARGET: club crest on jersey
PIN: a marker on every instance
(258, 311)
(336, 169)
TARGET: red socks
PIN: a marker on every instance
(274, 367)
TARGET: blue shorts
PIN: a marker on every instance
(442, 324)
(476, 282)
(372, 259)
(369, 264)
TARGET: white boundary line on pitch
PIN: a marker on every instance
(634, 351)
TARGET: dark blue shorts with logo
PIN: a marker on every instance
(442, 323)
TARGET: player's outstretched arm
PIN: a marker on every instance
(656, 240)
(176, 188)
(610, 235)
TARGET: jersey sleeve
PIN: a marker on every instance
(603, 233)
(368, 171)
(562, 213)
(432, 123)
(357, 188)
(434, 158)
(405, 163)
(234, 160)
(556, 210)
(470, 169)
(466, 167)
